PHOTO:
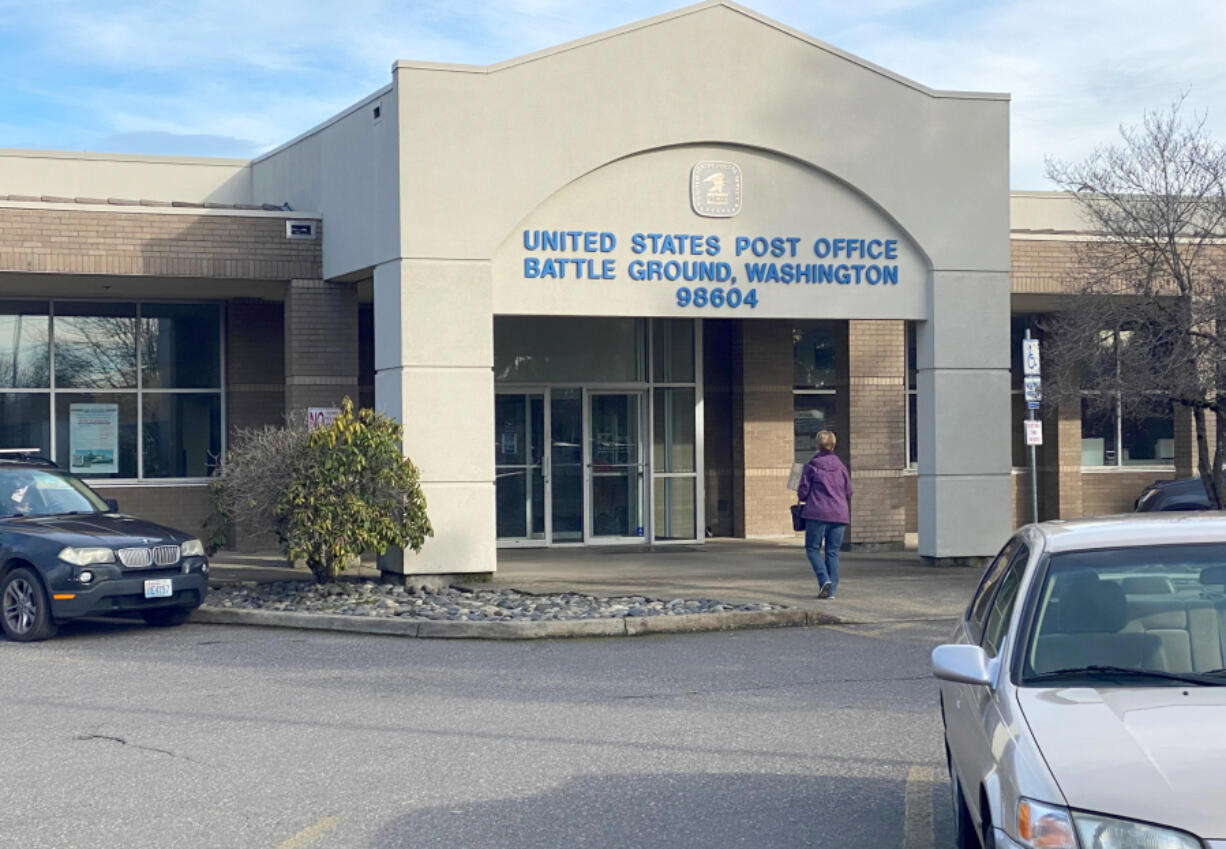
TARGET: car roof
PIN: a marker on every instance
(1133, 529)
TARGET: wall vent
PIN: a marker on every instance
(301, 229)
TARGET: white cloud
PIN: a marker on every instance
(265, 71)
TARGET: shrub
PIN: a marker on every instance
(330, 494)
(354, 491)
(260, 465)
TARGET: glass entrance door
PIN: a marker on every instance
(566, 464)
(616, 467)
(519, 469)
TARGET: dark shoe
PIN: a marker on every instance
(825, 591)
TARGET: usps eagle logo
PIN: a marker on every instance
(715, 189)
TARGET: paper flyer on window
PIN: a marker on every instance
(93, 439)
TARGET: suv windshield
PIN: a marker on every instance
(31, 491)
(1130, 617)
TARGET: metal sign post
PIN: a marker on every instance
(1032, 382)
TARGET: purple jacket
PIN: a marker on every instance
(825, 489)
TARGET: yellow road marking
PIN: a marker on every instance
(918, 830)
(310, 834)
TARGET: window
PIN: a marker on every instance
(1111, 437)
(817, 370)
(912, 403)
(532, 349)
(113, 389)
(977, 612)
(1002, 605)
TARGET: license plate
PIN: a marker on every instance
(161, 588)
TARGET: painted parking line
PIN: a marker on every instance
(310, 834)
(918, 829)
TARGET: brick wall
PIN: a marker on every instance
(1041, 265)
(152, 244)
(255, 363)
(1104, 493)
(876, 432)
(321, 343)
(182, 507)
(767, 430)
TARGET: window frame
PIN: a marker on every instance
(52, 391)
(839, 332)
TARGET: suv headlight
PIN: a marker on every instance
(1042, 826)
(192, 548)
(87, 556)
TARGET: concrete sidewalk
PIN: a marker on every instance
(873, 588)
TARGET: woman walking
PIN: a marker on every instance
(825, 492)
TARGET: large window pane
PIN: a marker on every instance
(25, 351)
(1097, 432)
(912, 429)
(95, 434)
(674, 508)
(180, 346)
(25, 421)
(810, 414)
(674, 430)
(95, 346)
(815, 355)
(673, 350)
(1019, 414)
(182, 434)
(530, 349)
(912, 354)
(1149, 440)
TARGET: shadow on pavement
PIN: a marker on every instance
(674, 811)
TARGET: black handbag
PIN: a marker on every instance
(798, 521)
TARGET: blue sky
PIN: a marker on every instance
(231, 78)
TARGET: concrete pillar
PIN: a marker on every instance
(321, 344)
(434, 357)
(964, 487)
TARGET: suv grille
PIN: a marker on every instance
(140, 558)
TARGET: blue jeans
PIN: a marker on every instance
(832, 533)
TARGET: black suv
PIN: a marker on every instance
(66, 553)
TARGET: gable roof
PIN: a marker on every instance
(697, 9)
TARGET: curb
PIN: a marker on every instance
(555, 628)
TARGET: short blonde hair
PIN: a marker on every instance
(826, 440)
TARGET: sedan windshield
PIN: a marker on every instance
(1131, 617)
(26, 491)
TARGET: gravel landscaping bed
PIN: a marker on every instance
(368, 598)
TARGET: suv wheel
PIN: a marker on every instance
(24, 610)
(166, 617)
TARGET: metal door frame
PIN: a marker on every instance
(546, 436)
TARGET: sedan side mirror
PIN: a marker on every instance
(964, 664)
(112, 505)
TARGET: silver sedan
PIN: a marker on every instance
(1084, 691)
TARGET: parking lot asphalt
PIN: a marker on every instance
(873, 588)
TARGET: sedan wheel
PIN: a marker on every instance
(966, 836)
(25, 609)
